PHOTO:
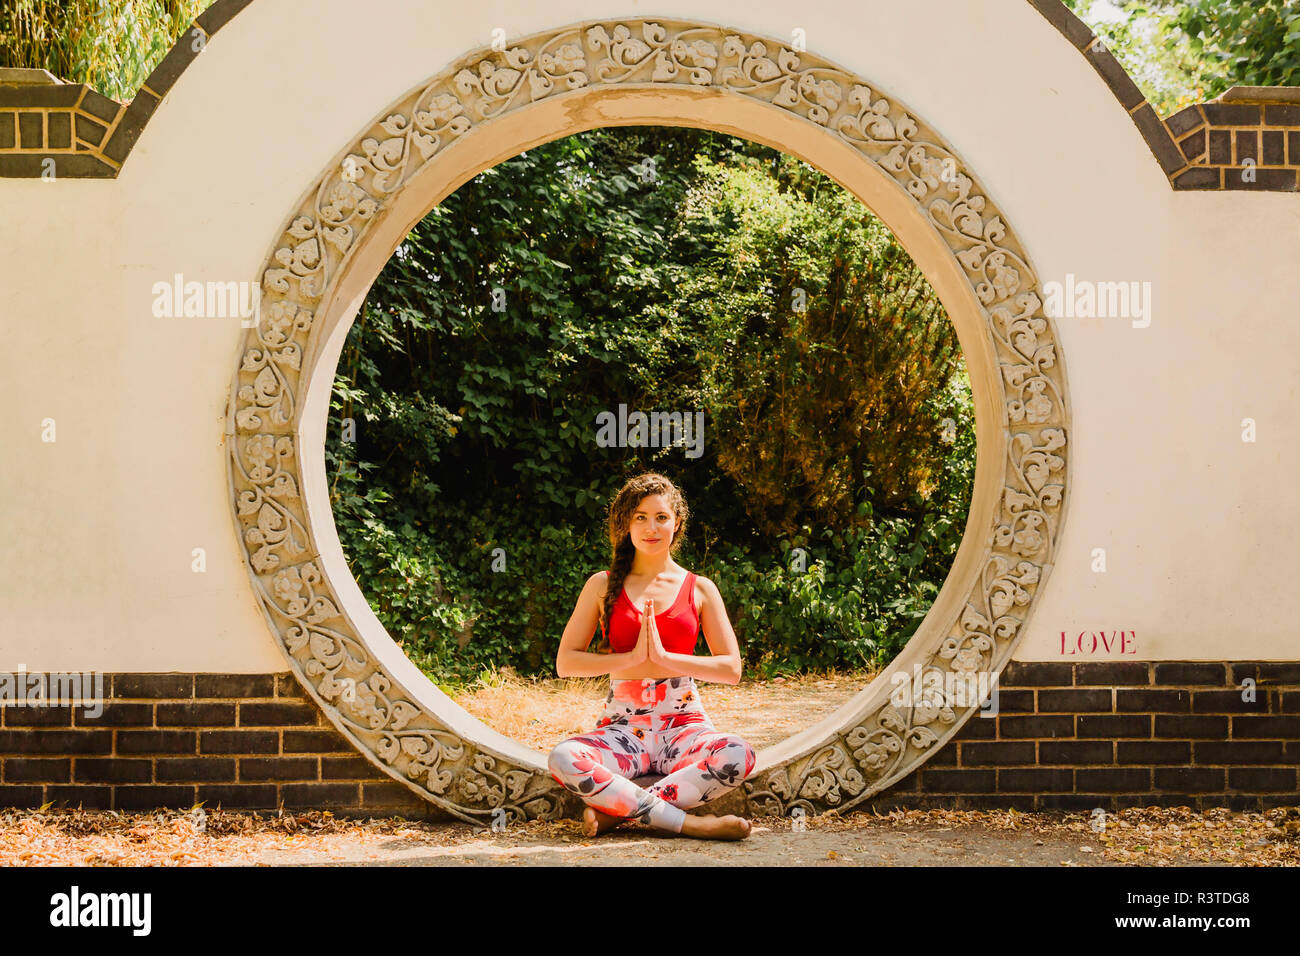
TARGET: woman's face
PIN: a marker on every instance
(653, 524)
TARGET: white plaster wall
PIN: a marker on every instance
(99, 527)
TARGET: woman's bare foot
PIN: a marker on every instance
(594, 822)
(715, 828)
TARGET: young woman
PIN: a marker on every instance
(653, 719)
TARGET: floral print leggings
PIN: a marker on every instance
(651, 726)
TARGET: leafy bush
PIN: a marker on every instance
(564, 282)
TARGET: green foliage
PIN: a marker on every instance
(823, 341)
(1189, 51)
(472, 503)
(853, 597)
(1255, 43)
(110, 45)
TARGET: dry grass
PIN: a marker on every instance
(542, 712)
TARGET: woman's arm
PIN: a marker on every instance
(725, 666)
(573, 659)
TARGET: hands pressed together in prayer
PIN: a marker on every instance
(649, 646)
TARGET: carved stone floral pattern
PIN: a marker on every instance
(409, 740)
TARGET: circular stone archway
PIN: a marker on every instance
(492, 105)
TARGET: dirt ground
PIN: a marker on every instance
(1139, 837)
(862, 844)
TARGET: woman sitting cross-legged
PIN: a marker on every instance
(654, 720)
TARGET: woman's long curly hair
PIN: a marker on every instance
(621, 510)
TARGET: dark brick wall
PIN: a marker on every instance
(239, 741)
(1074, 736)
(1238, 145)
(1068, 736)
(68, 123)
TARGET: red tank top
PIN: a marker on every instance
(679, 625)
